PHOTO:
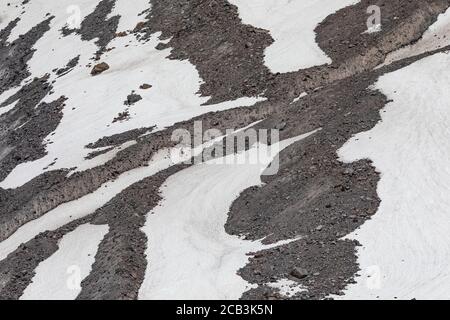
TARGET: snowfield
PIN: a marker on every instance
(59, 277)
(406, 242)
(291, 24)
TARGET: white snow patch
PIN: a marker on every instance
(373, 29)
(8, 108)
(60, 276)
(190, 256)
(405, 246)
(291, 24)
(437, 36)
(129, 12)
(8, 94)
(287, 288)
(304, 94)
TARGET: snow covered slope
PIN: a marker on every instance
(59, 277)
(407, 240)
(94, 95)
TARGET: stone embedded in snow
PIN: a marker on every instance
(121, 34)
(99, 68)
(139, 26)
(145, 86)
(132, 99)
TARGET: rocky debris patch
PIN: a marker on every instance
(122, 116)
(69, 67)
(120, 138)
(132, 99)
(213, 38)
(121, 34)
(24, 128)
(15, 55)
(299, 273)
(95, 154)
(98, 26)
(139, 26)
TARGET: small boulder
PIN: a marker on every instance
(145, 86)
(139, 26)
(99, 68)
(299, 273)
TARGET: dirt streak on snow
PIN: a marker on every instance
(405, 249)
(190, 256)
(291, 24)
(59, 277)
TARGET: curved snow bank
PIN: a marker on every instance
(405, 249)
(437, 36)
(190, 256)
(292, 25)
(59, 277)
